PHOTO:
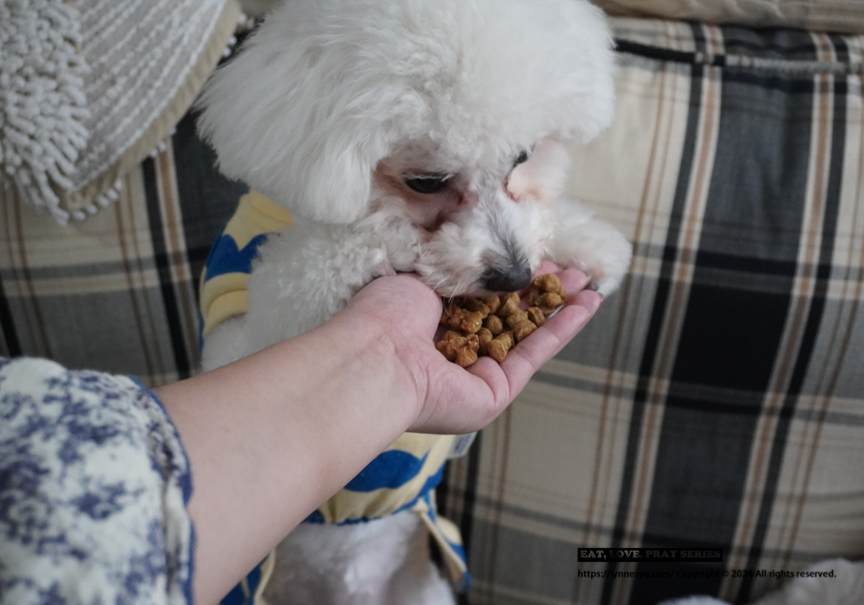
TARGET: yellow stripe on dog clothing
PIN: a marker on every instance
(223, 283)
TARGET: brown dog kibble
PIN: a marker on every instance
(523, 329)
(509, 305)
(536, 315)
(497, 350)
(492, 325)
(547, 293)
(484, 337)
(458, 348)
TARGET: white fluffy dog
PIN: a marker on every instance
(417, 136)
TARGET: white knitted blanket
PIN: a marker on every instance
(81, 80)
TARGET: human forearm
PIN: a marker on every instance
(273, 435)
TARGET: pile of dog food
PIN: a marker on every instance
(493, 325)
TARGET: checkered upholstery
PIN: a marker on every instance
(117, 291)
(716, 400)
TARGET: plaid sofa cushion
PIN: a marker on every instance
(822, 15)
(117, 292)
(717, 400)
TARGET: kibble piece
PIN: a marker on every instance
(516, 317)
(523, 329)
(509, 304)
(452, 315)
(536, 315)
(471, 321)
(484, 336)
(494, 324)
(493, 302)
(449, 344)
(465, 358)
(476, 304)
(462, 319)
(497, 350)
(548, 282)
(453, 340)
(506, 338)
(459, 349)
(473, 342)
(547, 293)
(467, 355)
(499, 346)
(549, 301)
(483, 305)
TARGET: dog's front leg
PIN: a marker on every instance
(301, 277)
(378, 562)
(585, 242)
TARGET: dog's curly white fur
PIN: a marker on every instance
(406, 135)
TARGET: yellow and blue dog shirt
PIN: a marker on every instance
(402, 478)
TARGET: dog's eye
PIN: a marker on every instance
(521, 158)
(427, 183)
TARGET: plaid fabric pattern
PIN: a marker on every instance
(117, 292)
(716, 400)
(821, 15)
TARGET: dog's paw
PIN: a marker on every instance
(608, 260)
(597, 249)
(585, 242)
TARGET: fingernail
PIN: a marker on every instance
(595, 302)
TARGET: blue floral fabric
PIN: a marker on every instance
(94, 483)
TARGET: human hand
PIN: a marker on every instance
(450, 399)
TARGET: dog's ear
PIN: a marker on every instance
(280, 121)
(585, 58)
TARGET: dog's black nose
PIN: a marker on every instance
(507, 279)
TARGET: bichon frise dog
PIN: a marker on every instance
(403, 136)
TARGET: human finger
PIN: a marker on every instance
(461, 403)
(523, 361)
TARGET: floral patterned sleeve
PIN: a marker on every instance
(93, 490)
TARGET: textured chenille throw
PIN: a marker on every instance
(89, 88)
